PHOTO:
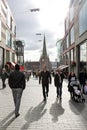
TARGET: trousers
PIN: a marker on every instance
(45, 89)
(17, 94)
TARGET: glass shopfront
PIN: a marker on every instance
(83, 19)
(83, 56)
(1, 59)
(72, 55)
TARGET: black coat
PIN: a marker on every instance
(17, 80)
(45, 77)
(82, 77)
(57, 80)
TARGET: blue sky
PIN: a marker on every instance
(49, 21)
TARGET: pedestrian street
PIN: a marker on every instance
(35, 114)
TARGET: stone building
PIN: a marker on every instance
(7, 34)
(75, 38)
(44, 59)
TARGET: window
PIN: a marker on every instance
(66, 23)
(83, 19)
(72, 55)
(8, 19)
(83, 55)
(67, 58)
(67, 41)
(71, 13)
(72, 39)
(8, 39)
(1, 56)
(0, 30)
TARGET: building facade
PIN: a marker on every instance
(59, 52)
(32, 65)
(75, 38)
(7, 34)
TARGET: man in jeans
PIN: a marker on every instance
(45, 79)
(58, 83)
(17, 84)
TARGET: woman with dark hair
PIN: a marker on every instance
(71, 78)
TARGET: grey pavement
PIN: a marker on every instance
(38, 115)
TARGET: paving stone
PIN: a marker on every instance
(38, 115)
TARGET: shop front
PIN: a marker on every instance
(1, 59)
(83, 57)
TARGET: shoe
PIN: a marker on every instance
(4, 86)
(47, 94)
(60, 98)
(17, 115)
(57, 96)
(44, 99)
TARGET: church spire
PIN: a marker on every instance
(44, 53)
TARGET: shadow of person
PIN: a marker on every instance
(56, 110)
(6, 121)
(1, 88)
(34, 114)
(77, 108)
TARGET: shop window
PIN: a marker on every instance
(83, 19)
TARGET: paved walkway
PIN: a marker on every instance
(37, 115)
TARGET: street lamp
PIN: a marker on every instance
(19, 48)
(38, 34)
(39, 40)
(34, 10)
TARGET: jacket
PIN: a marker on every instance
(45, 77)
(17, 80)
(57, 80)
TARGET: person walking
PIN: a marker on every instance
(5, 74)
(71, 77)
(3, 78)
(82, 79)
(17, 84)
(58, 84)
(62, 75)
(45, 77)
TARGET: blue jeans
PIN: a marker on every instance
(17, 93)
(59, 90)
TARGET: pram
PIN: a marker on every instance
(76, 91)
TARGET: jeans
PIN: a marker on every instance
(59, 90)
(45, 89)
(17, 93)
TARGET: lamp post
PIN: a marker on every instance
(19, 47)
(34, 10)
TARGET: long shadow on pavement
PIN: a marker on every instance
(76, 107)
(79, 108)
(34, 114)
(6, 121)
(56, 110)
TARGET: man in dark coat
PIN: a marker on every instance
(58, 83)
(45, 77)
(82, 78)
(17, 84)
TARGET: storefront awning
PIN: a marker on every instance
(11, 64)
(63, 67)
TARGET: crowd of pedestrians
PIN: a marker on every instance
(17, 82)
